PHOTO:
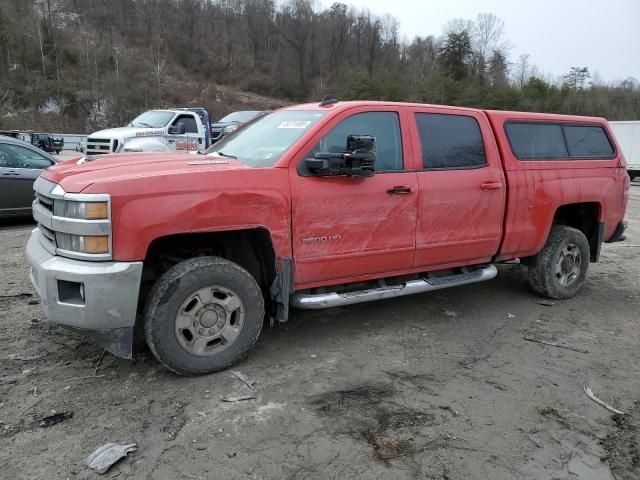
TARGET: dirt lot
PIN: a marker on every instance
(435, 386)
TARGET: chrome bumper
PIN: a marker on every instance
(98, 298)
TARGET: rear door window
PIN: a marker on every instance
(450, 141)
(537, 140)
(587, 141)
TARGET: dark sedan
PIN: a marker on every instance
(20, 164)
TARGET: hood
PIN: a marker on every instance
(127, 132)
(76, 175)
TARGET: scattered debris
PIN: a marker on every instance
(245, 379)
(450, 313)
(510, 315)
(449, 409)
(52, 420)
(591, 395)
(313, 355)
(17, 295)
(558, 345)
(546, 303)
(25, 357)
(34, 302)
(105, 456)
(239, 398)
(81, 378)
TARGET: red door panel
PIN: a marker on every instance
(345, 227)
(461, 208)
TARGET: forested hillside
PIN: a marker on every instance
(86, 64)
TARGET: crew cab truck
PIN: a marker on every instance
(315, 206)
(180, 129)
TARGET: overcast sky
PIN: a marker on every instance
(558, 34)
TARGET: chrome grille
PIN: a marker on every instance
(99, 146)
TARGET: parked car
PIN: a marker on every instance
(46, 142)
(317, 206)
(233, 122)
(20, 164)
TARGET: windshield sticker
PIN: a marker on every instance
(149, 133)
(300, 124)
(208, 162)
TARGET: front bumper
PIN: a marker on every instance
(97, 298)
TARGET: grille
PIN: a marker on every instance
(99, 146)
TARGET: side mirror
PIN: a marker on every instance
(357, 161)
(178, 129)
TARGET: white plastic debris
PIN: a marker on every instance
(105, 456)
(244, 378)
(239, 398)
(592, 396)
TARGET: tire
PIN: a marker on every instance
(559, 270)
(190, 313)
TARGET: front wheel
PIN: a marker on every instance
(203, 315)
(559, 270)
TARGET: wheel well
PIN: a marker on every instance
(252, 249)
(584, 217)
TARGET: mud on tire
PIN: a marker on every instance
(559, 270)
(190, 308)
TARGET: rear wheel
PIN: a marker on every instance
(203, 315)
(560, 269)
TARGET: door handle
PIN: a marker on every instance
(10, 172)
(491, 185)
(400, 190)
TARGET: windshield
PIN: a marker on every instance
(262, 143)
(152, 119)
(239, 117)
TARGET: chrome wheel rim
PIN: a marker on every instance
(568, 265)
(209, 321)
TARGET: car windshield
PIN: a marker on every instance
(239, 117)
(152, 119)
(262, 143)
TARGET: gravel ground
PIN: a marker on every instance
(434, 386)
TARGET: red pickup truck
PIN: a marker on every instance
(315, 206)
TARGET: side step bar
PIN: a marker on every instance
(333, 299)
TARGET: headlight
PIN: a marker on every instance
(82, 210)
(231, 128)
(83, 243)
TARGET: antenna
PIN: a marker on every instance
(328, 100)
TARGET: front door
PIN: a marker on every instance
(462, 189)
(191, 140)
(19, 168)
(348, 228)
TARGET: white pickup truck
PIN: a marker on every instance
(628, 135)
(155, 131)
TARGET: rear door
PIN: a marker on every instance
(19, 167)
(462, 188)
(348, 228)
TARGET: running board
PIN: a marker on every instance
(333, 299)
